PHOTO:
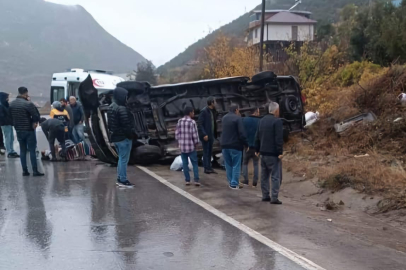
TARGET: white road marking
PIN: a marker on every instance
(301, 261)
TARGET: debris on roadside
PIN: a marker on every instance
(402, 98)
(329, 220)
(330, 205)
(177, 164)
(397, 120)
(341, 203)
(364, 118)
(311, 118)
(361, 156)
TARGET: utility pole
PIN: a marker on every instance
(261, 49)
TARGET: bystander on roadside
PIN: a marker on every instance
(6, 124)
(233, 141)
(187, 137)
(251, 126)
(77, 119)
(269, 144)
(122, 132)
(207, 126)
(25, 120)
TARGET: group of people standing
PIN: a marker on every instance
(242, 138)
(23, 116)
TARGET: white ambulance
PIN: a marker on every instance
(67, 83)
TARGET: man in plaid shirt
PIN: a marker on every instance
(188, 138)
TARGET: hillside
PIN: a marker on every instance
(323, 11)
(38, 38)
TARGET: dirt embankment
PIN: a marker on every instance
(369, 158)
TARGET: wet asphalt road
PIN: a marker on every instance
(76, 218)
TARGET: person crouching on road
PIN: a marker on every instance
(6, 124)
(59, 112)
(251, 126)
(25, 120)
(233, 141)
(122, 132)
(269, 144)
(187, 137)
(207, 127)
(54, 129)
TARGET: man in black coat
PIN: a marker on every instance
(233, 140)
(207, 128)
(122, 132)
(54, 129)
(269, 144)
(25, 120)
(6, 124)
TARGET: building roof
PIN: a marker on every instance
(289, 17)
(282, 10)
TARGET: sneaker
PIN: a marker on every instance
(13, 155)
(26, 173)
(235, 187)
(2, 151)
(126, 184)
(197, 184)
(266, 199)
(254, 186)
(276, 201)
(187, 183)
(37, 174)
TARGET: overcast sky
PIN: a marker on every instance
(161, 29)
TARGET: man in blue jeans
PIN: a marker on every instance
(6, 124)
(233, 141)
(122, 132)
(188, 138)
(25, 120)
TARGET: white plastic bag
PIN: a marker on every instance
(402, 98)
(311, 118)
(177, 164)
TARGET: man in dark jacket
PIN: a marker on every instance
(54, 129)
(269, 144)
(6, 124)
(25, 120)
(77, 119)
(233, 141)
(207, 128)
(251, 126)
(122, 132)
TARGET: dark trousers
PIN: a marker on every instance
(207, 153)
(27, 141)
(1, 140)
(247, 156)
(57, 134)
(270, 168)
